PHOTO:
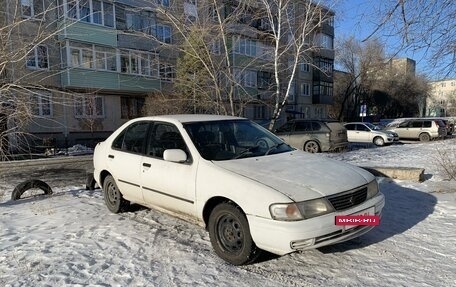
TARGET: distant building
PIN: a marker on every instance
(442, 100)
(96, 61)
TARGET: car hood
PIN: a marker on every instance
(299, 175)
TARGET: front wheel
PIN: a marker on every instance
(379, 141)
(230, 235)
(113, 197)
(312, 147)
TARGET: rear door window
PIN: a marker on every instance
(417, 124)
(132, 139)
(303, 126)
(316, 126)
(350, 127)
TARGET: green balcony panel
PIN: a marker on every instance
(138, 83)
(88, 33)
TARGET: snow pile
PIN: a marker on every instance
(70, 238)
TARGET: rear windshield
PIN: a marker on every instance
(335, 126)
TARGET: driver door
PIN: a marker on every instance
(170, 185)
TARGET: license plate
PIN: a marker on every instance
(366, 212)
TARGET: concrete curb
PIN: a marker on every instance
(402, 173)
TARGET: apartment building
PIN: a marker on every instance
(442, 99)
(88, 66)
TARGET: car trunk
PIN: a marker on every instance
(338, 133)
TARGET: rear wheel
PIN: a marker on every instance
(113, 197)
(424, 137)
(230, 235)
(312, 147)
(379, 141)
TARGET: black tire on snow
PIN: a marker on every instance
(113, 197)
(230, 237)
(29, 184)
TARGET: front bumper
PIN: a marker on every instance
(282, 237)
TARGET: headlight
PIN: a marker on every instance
(372, 189)
(300, 210)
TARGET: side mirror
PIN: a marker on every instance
(174, 155)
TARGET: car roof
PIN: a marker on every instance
(188, 118)
(357, 123)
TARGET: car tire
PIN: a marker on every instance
(312, 147)
(21, 188)
(113, 197)
(230, 237)
(424, 137)
(379, 141)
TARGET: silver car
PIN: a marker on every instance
(314, 135)
(422, 129)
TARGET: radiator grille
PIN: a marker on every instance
(347, 200)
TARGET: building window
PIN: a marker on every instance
(142, 22)
(167, 72)
(89, 107)
(164, 33)
(324, 41)
(259, 112)
(42, 104)
(264, 80)
(330, 21)
(131, 107)
(304, 89)
(304, 67)
(325, 65)
(81, 56)
(138, 63)
(91, 11)
(105, 59)
(38, 58)
(246, 78)
(32, 8)
(323, 89)
(245, 47)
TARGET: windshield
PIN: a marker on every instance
(371, 126)
(233, 139)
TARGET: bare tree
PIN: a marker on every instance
(422, 25)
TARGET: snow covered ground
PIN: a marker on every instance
(70, 238)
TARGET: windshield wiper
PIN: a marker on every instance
(247, 150)
(274, 147)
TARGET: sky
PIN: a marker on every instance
(71, 239)
(355, 18)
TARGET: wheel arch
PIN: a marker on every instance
(212, 203)
(103, 176)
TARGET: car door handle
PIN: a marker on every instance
(110, 156)
(147, 164)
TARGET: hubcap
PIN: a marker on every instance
(112, 194)
(312, 147)
(230, 233)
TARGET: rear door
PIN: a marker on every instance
(303, 132)
(284, 131)
(124, 160)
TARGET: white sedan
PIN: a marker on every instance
(250, 190)
(369, 133)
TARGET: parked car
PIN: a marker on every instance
(314, 135)
(419, 128)
(249, 189)
(368, 133)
